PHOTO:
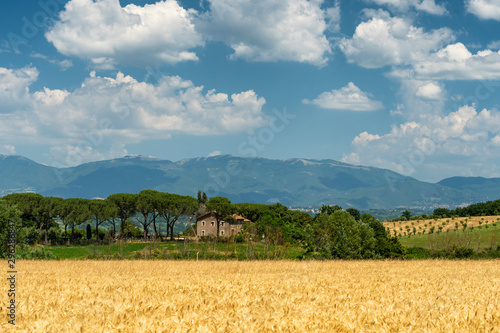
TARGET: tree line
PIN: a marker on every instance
(478, 209)
(38, 213)
(333, 233)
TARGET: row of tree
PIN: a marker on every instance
(479, 209)
(333, 233)
(145, 208)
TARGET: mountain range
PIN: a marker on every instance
(292, 182)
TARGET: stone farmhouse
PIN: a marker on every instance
(207, 225)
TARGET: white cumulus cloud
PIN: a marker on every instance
(436, 146)
(384, 40)
(364, 138)
(484, 9)
(272, 30)
(14, 87)
(106, 34)
(428, 6)
(456, 62)
(430, 91)
(105, 111)
(349, 98)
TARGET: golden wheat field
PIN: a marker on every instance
(269, 296)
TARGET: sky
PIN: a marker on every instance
(408, 85)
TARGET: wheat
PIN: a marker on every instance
(271, 296)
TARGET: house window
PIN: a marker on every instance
(213, 223)
(222, 224)
(222, 232)
(203, 232)
(203, 223)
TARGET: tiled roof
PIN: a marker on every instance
(234, 216)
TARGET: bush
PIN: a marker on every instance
(54, 233)
(31, 235)
(418, 253)
(239, 238)
(462, 252)
(38, 253)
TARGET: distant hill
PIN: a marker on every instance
(19, 174)
(292, 182)
(487, 187)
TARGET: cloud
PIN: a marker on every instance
(384, 40)
(63, 64)
(7, 149)
(435, 145)
(429, 91)
(484, 9)
(333, 17)
(271, 30)
(494, 45)
(349, 98)
(14, 88)
(106, 34)
(64, 155)
(456, 62)
(215, 153)
(364, 138)
(428, 6)
(106, 110)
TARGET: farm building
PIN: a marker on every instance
(207, 225)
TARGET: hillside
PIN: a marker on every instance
(489, 187)
(292, 182)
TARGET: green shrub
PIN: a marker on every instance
(38, 253)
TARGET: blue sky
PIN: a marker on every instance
(408, 85)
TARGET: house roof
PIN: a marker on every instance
(234, 216)
(239, 218)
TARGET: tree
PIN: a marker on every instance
(146, 205)
(9, 216)
(336, 236)
(325, 209)
(101, 211)
(131, 230)
(63, 210)
(173, 206)
(46, 212)
(406, 215)
(27, 204)
(442, 212)
(221, 208)
(125, 204)
(202, 197)
(354, 213)
(340, 236)
(79, 213)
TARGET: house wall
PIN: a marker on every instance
(226, 229)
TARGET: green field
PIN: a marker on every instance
(175, 250)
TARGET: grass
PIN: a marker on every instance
(175, 250)
(83, 251)
(251, 296)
